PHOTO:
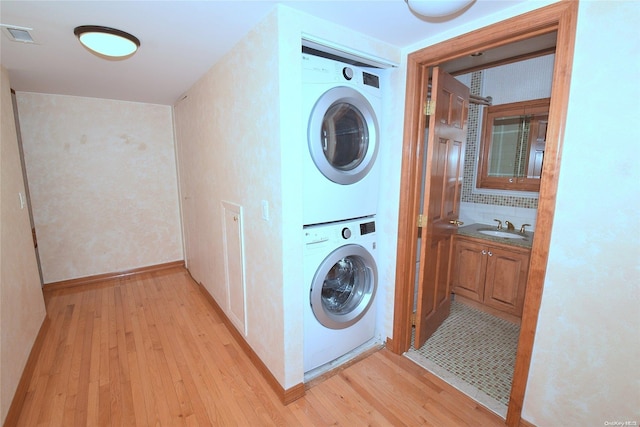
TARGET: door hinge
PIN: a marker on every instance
(413, 319)
(421, 220)
(429, 107)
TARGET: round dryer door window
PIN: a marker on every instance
(343, 287)
(343, 135)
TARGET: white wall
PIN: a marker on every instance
(519, 81)
(102, 180)
(22, 309)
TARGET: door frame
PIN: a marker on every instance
(560, 17)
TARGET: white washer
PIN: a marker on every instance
(340, 279)
(341, 106)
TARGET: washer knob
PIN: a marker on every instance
(346, 233)
(347, 73)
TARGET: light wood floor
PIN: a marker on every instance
(150, 350)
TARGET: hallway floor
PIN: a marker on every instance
(150, 350)
(474, 352)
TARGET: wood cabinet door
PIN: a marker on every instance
(505, 279)
(469, 269)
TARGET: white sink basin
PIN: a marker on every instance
(504, 234)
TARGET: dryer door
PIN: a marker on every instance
(344, 286)
(343, 135)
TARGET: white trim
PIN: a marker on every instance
(345, 52)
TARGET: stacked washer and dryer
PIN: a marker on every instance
(341, 107)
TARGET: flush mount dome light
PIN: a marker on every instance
(437, 8)
(106, 42)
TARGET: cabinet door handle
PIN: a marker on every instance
(456, 222)
(490, 254)
(484, 252)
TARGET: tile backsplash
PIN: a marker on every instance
(479, 213)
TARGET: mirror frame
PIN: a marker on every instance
(536, 108)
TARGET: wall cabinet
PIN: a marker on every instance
(492, 274)
(512, 145)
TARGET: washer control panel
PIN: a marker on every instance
(339, 231)
(367, 228)
(346, 233)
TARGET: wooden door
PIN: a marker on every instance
(445, 150)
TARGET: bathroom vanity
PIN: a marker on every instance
(490, 269)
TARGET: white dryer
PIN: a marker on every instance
(341, 113)
(340, 279)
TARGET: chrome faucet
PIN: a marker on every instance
(510, 226)
(523, 226)
(499, 224)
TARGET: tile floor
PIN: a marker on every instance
(474, 352)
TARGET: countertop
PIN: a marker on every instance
(473, 231)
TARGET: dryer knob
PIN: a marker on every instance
(346, 233)
(347, 73)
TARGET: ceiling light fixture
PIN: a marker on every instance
(107, 43)
(437, 8)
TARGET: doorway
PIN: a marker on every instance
(27, 194)
(560, 17)
(475, 348)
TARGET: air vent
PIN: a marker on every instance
(17, 34)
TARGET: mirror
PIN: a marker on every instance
(512, 145)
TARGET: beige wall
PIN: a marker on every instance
(103, 186)
(21, 304)
(228, 135)
(584, 369)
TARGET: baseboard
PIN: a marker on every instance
(338, 369)
(286, 396)
(81, 281)
(23, 385)
(525, 423)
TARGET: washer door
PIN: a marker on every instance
(343, 135)
(344, 286)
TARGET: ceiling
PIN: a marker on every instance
(180, 40)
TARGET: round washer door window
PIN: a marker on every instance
(343, 135)
(344, 286)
